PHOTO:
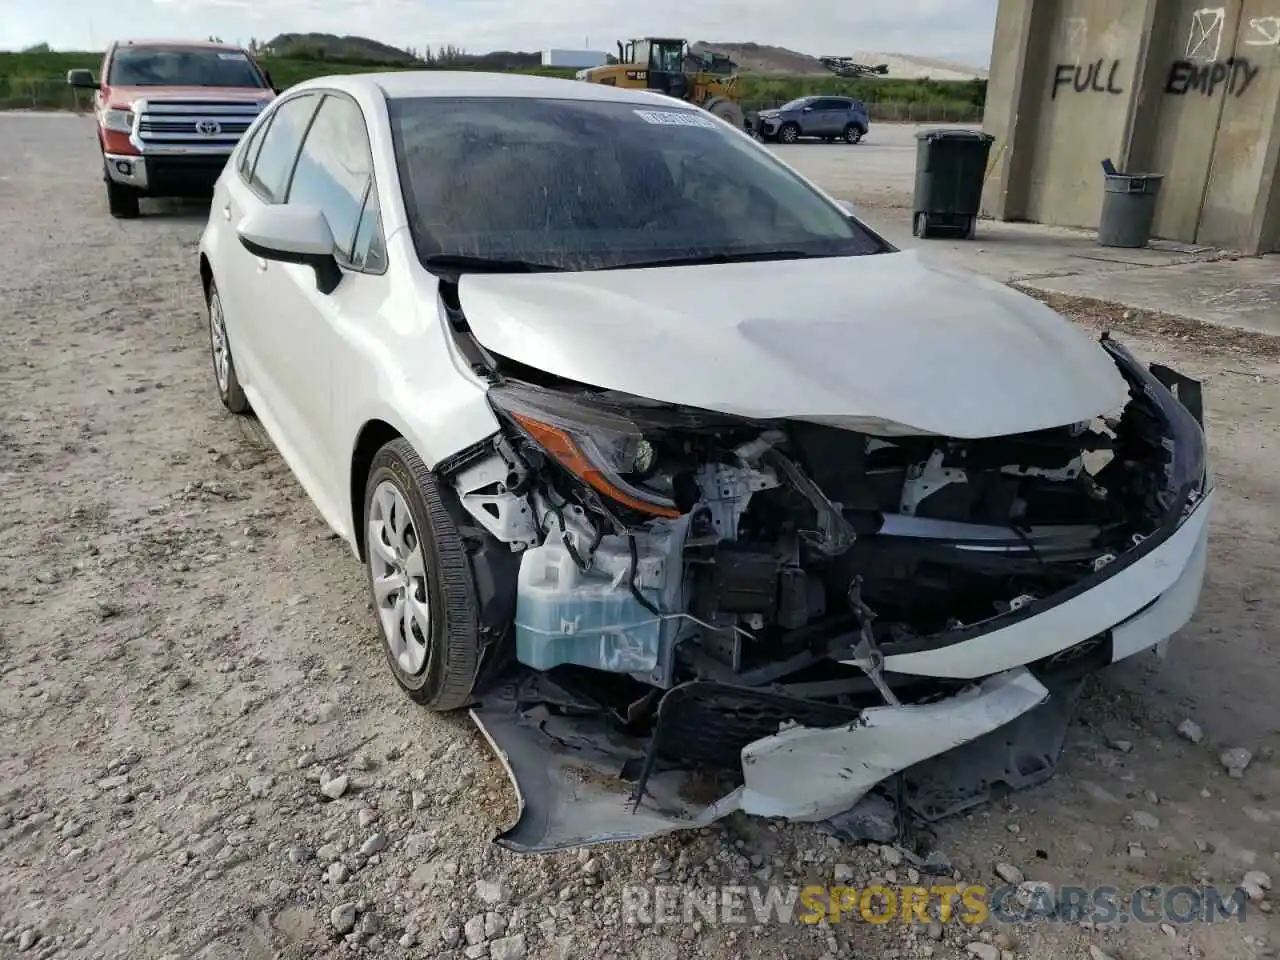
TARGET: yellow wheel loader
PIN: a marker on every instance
(666, 65)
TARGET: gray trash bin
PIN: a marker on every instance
(1128, 209)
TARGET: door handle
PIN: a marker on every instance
(226, 212)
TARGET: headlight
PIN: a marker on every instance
(604, 449)
(118, 121)
(1186, 469)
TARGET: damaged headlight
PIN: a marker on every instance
(602, 448)
(1186, 470)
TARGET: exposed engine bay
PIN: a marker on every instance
(694, 584)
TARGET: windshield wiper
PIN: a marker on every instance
(460, 263)
(709, 258)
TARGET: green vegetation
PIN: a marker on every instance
(35, 78)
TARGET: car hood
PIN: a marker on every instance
(237, 94)
(888, 343)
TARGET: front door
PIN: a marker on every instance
(333, 174)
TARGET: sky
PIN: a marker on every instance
(951, 29)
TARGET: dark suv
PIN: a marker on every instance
(828, 118)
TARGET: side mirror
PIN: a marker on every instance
(806, 109)
(81, 80)
(293, 234)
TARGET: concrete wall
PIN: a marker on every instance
(1159, 86)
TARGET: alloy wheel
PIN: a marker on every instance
(399, 576)
(218, 341)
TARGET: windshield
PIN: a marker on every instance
(171, 66)
(583, 185)
(796, 104)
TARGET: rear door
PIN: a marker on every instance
(251, 315)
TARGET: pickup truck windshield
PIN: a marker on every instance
(176, 66)
(590, 185)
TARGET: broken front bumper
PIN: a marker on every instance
(580, 781)
(571, 775)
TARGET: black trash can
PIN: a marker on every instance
(1128, 209)
(951, 166)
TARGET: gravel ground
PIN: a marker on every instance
(205, 756)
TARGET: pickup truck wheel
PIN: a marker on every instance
(420, 581)
(121, 201)
(224, 366)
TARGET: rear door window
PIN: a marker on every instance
(249, 153)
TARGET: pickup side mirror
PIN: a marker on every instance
(293, 233)
(81, 80)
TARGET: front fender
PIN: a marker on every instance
(410, 377)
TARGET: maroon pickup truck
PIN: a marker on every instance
(169, 113)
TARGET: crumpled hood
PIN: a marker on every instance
(887, 343)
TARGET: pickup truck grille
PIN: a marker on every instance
(212, 125)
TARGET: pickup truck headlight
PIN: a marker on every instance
(117, 120)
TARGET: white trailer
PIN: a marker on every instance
(576, 59)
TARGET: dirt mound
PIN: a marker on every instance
(762, 58)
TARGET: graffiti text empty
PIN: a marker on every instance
(1234, 74)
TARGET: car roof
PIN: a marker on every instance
(207, 44)
(407, 84)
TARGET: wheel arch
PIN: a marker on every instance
(206, 275)
(372, 437)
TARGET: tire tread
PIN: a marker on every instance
(458, 638)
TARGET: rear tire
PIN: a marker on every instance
(789, 133)
(122, 201)
(852, 133)
(420, 576)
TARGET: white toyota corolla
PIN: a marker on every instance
(668, 467)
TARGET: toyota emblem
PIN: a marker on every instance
(208, 128)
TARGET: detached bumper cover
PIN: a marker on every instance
(566, 774)
(806, 774)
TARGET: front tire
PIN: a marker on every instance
(789, 133)
(122, 202)
(224, 366)
(420, 581)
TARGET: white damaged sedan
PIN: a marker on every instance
(699, 494)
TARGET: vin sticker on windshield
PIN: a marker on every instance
(232, 56)
(675, 118)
